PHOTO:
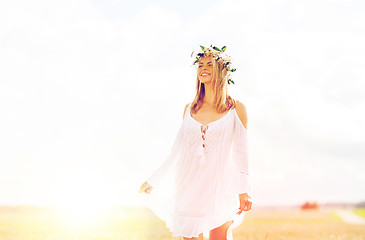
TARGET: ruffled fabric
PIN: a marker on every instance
(189, 226)
(197, 187)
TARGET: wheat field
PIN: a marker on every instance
(139, 224)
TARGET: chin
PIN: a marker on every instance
(205, 80)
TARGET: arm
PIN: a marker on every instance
(240, 147)
(186, 107)
(157, 176)
(242, 113)
(240, 155)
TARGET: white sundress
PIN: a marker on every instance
(197, 188)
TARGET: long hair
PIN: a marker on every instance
(222, 101)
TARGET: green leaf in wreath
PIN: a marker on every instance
(233, 70)
(224, 65)
(230, 81)
(203, 48)
(224, 48)
(217, 49)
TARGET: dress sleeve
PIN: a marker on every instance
(155, 179)
(240, 176)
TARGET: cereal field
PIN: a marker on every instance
(139, 224)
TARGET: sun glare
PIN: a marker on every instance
(84, 202)
(84, 215)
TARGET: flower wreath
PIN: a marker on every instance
(219, 56)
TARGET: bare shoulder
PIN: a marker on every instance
(186, 107)
(241, 112)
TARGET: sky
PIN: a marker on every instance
(92, 95)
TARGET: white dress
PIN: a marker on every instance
(197, 188)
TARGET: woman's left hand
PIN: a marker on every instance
(245, 203)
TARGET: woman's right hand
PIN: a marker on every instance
(146, 188)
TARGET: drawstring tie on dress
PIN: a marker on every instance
(201, 152)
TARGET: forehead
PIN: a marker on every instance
(205, 59)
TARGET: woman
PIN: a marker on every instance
(202, 188)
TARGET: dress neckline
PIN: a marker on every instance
(209, 124)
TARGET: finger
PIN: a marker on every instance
(148, 190)
(143, 188)
(245, 208)
(240, 209)
(250, 206)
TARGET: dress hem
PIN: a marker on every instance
(237, 220)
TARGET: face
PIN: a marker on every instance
(205, 69)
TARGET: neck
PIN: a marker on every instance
(209, 94)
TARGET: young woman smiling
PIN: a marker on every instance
(202, 188)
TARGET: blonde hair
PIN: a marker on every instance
(222, 101)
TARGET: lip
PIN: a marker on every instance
(204, 73)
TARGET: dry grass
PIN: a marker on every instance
(360, 212)
(140, 224)
(297, 225)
